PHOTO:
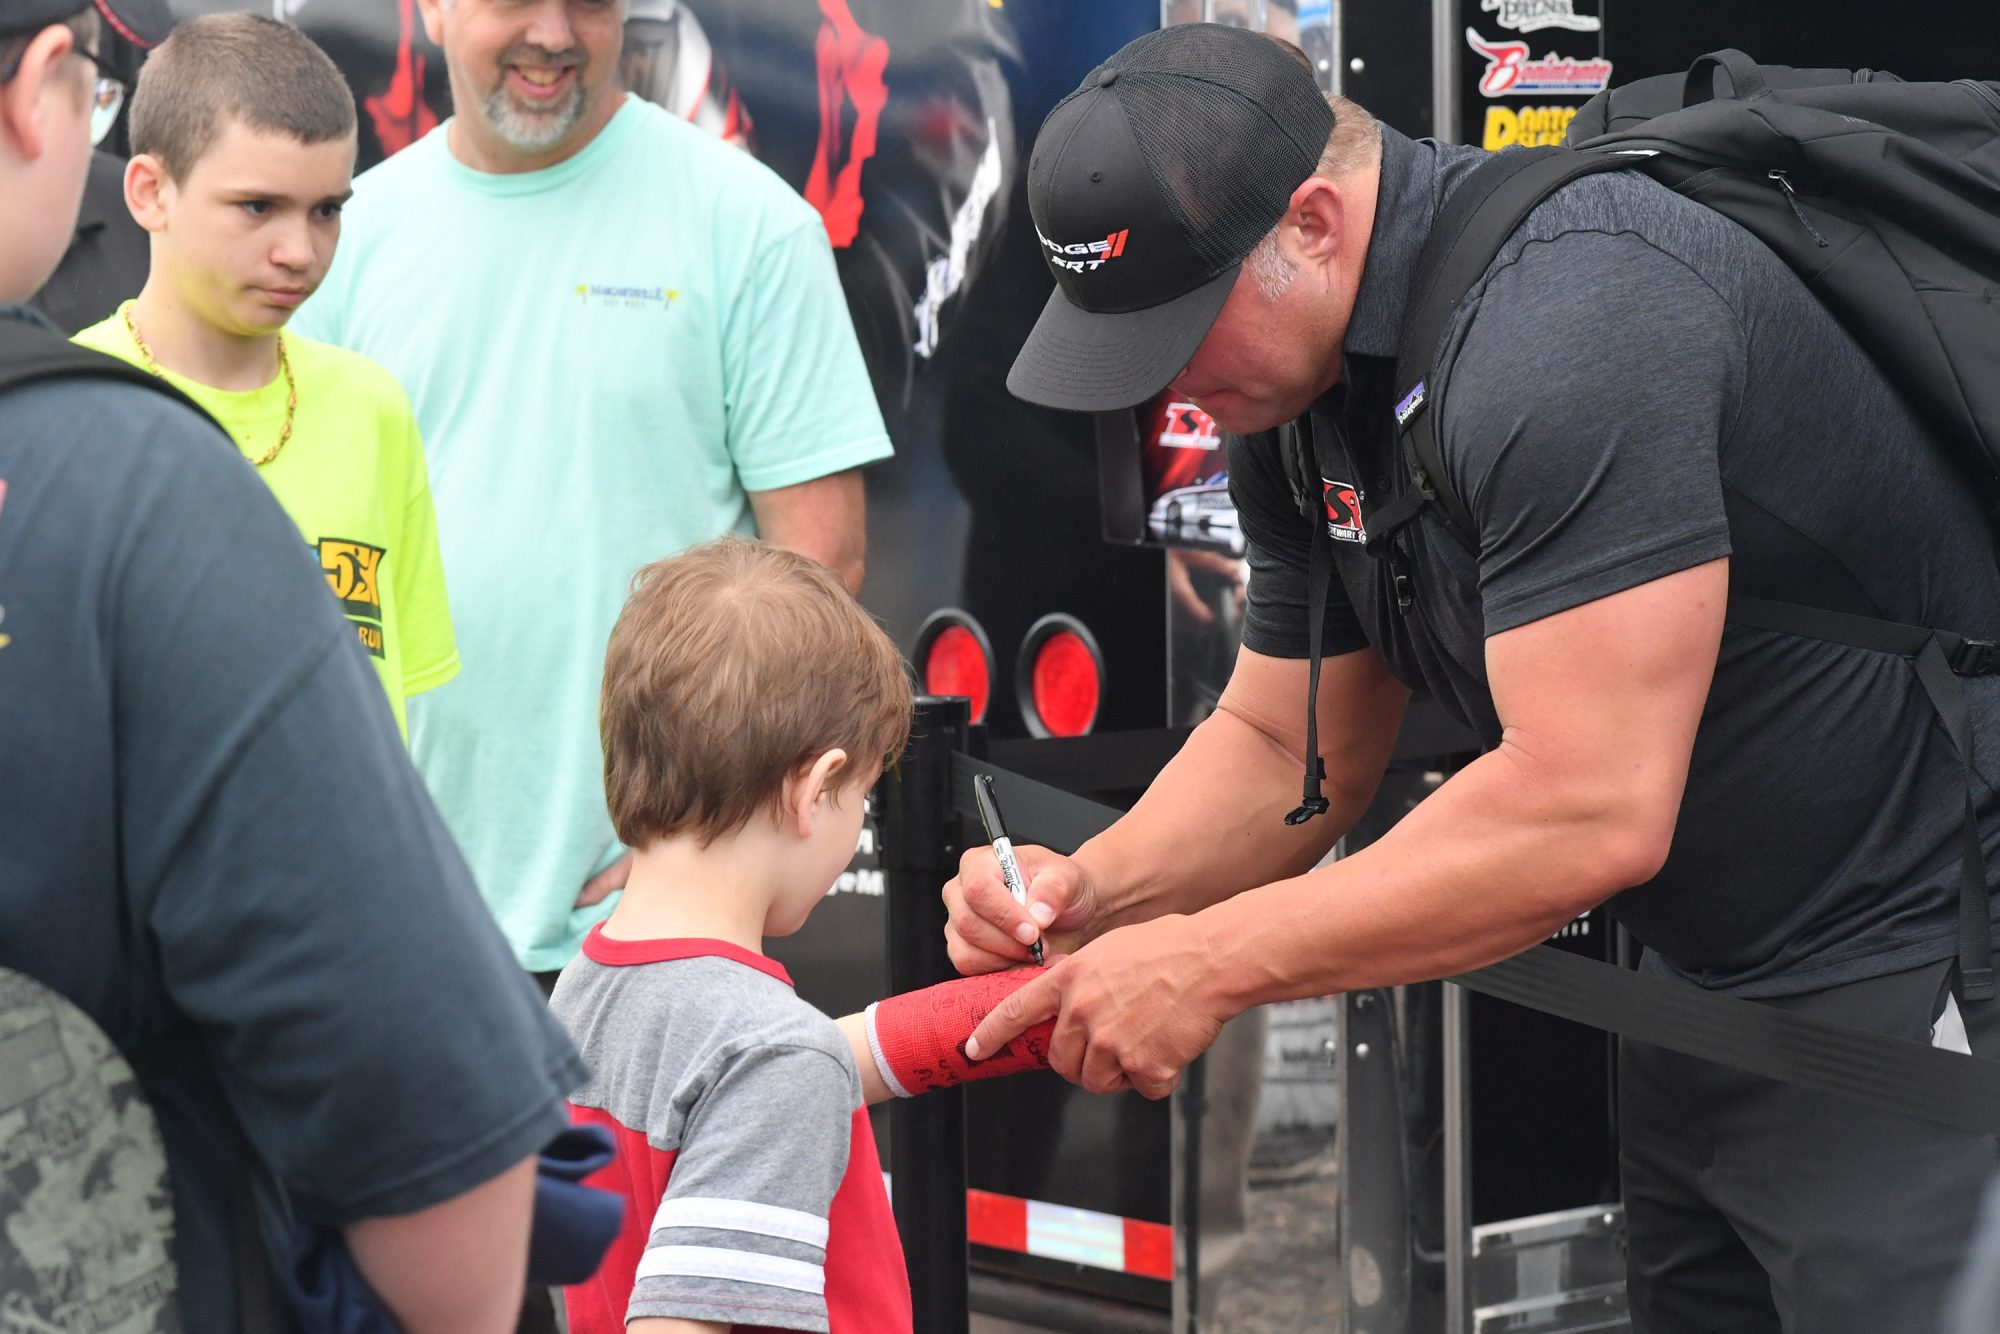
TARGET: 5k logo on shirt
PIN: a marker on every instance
(353, 571)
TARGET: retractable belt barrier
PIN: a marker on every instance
(1888, 1074)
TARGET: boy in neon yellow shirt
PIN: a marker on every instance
(243, 135)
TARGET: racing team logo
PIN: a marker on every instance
(1185, 426)
(354, 573)
(1511, 72)
(1083, 256)
(1343, 512)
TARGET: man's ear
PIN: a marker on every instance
(23, 99)
(1317, 219)
(820, 778)
(146, 180)
(433, 16)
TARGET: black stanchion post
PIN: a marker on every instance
(926, 1134)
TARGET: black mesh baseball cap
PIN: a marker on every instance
(1148, 186)
(144, 23)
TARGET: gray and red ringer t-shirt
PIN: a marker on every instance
(753, 1192)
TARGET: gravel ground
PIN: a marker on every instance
(1285, 1277)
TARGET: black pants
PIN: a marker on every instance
(538, 1306)
(1755, 1207)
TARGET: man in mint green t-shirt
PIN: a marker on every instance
(622, 337)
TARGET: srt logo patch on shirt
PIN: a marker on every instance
(1343, 512)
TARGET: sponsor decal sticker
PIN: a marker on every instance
(1529, 126)
(1535, 15)
(1188, 427)
(1343, 512)
(1512, 72)
(1083, 256)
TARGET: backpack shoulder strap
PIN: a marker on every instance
(28, 353)
(1469, 232)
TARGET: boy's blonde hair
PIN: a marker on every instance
(734, 664)
(236, 66)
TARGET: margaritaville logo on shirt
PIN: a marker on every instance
(354, 572)
(617, 296)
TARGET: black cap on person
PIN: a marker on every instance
(144, 23)
(1148, 186)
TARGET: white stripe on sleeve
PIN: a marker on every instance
(737, 1266)
(765, 1220)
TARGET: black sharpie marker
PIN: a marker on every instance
(1003, 850)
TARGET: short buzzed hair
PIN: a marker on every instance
(238, 66)
(734, 664)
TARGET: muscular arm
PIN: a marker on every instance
(1212, 824)
(824, 518)
(456, 1267)
(1600, 705)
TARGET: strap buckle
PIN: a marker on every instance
(1974, 657)
(1316, 805)
(1311, 802)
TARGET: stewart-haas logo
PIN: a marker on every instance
(1083, 256)
(1343, 511)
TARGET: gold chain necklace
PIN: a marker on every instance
(284, 368)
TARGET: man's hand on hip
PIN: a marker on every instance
(601, 886)
(987, 931)
(1132, 1009)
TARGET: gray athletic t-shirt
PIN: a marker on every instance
(1636, 387)
(753, 1194)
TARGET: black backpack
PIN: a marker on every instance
(1884, 196)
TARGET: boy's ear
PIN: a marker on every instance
(21, 98)
(145, 181)
(821, 778)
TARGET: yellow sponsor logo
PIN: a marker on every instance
(354, 572)
(351, 570)
(1507, 126)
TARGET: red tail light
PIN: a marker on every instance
(1059, 677)
(954, 657)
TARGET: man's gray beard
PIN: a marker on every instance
(533, 131)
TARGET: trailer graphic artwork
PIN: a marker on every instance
(399, 112)
(850, 62)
